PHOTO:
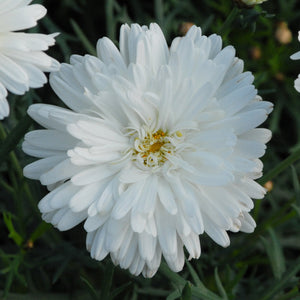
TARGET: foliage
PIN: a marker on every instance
(38, 262)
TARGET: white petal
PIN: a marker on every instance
(4, 108)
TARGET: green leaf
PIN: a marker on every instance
(194, 275)
(92, 291)
(120, 289)
(61, 269)
(39, 231)
(82, 37)
(107, 281)
(187, 292)
(14, 273)
(280, 167)
(227, 24)
(204, 294)
(13, 234)
(279, 284)
(296, 188)
(274, 251)
(290, 295)
(10, 141)
(174, 295)
(173, 277)
(220, 285)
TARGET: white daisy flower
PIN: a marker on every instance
(250, 2)
(296, 56)
(159, 146)
(22, 60)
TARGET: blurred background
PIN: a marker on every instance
(39, 262)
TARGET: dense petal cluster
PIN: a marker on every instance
(22, 60)
(157, 147)
(296, 56)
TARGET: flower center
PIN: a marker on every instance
(151, 149)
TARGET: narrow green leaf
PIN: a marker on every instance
(10, 141)
(187, 292)
(199, 291)
(220, 285)
(107, 281)
(275, 254)
(13, 234)
(116, 292)
(110, 20)
(194, 275)
(159, 12)
(13, 273)
(238, 277)
(290, 295)
(92, 291)
(297, 209)
(280, 167)
(279, 284)
(296, 184)
(173, 277)
(227, 25)
(204, 294)
(39, 231)
(77, 295)
(153, 291)
(80, 34)
(61, 269)
(174, 295)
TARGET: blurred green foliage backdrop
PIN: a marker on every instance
(38, 262)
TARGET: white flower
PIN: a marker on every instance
(252, 2)
(22, 60)
(158, 147)
(296, 56)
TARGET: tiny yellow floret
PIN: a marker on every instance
(178, 133)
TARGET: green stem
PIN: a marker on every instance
(84, 40)
(225, 29)
(110, 23)
(159, 12)
(6, 186)
(17, 168)
(280, 167)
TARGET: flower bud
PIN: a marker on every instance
(283, 33)
(248, 3)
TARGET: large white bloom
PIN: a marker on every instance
(296, 56)
(159, 146)
(22, 60)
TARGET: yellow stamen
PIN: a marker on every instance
(155, 147)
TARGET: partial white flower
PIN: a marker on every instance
(22, 60)
(159, 146)
(251, 2)
(296, 56)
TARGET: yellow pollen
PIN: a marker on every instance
(152, 149)
(179, 134)
(155, 147)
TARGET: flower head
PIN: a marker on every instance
(296, 56)
(157, 147)
(249, 3)
(22, 60)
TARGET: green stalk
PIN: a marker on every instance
(17, 168)
(225, 29)
(280, 167)
(110, 22)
